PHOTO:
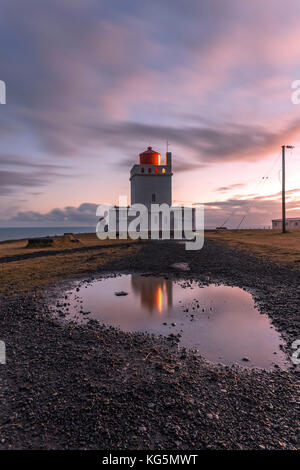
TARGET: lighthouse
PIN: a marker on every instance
(150, 211)
(151, 180)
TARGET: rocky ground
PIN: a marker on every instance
(94, 387)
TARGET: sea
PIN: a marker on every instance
(17, 233)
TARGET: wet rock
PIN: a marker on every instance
(181, 266)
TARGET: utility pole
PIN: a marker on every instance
(283, 187)
(283, 190)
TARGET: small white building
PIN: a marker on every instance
(291, 223)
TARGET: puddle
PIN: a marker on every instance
(221, 322)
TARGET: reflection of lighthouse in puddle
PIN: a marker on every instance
(156, 293)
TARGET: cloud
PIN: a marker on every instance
(224, 189)
(85, 214)
(205, 145)
(10, 179)
(24, 174)
(73, 66)
(256, 211)
(87, 79)
(21, 161)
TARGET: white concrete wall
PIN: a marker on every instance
(292, 224)
(175, 223)
(144, 185)
(150, 189)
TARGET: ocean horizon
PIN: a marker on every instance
(18, 233)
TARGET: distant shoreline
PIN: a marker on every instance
(21, 233)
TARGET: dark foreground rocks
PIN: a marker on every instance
(92, 387)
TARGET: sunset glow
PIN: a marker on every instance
(91, 85)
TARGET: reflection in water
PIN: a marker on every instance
(155, 292)
(220, 321)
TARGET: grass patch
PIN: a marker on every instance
(270, 244)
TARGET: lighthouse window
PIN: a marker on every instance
(142, 170)
(153, 197)
(149, 170)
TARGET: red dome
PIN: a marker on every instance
(150, 157)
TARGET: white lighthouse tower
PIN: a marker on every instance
(151, 180)
(151, 186)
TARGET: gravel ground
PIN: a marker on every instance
(95, 387)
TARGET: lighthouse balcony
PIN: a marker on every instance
(147, 169)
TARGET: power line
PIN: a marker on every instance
(267, 177)
(262, 180)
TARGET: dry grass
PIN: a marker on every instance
(278, 247)
(19, 247)
(36, 273)
(40, 273)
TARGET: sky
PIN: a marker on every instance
(92, 83)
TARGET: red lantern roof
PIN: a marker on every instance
(150, 157)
